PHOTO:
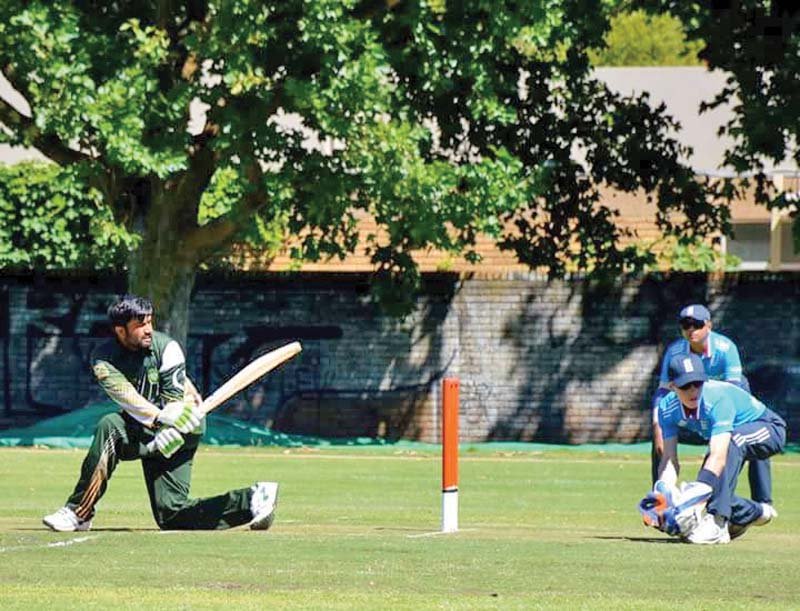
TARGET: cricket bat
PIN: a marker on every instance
(245, 377)
(249, 374)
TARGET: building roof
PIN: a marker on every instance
(682, 90)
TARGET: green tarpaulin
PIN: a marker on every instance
(75, 430)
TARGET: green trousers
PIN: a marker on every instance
(168, 479)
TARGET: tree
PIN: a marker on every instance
(757, 42)
(636, 38)
(440, 120)
(48, 220)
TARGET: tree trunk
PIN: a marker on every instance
(161, 268)
(169, 285)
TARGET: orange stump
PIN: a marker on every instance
(450, 388)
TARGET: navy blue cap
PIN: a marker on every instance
(685, 368)
(696, 311)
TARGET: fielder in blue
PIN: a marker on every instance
(737, 426)
(721, 361)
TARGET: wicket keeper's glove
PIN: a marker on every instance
(685, 510)
(183, 415)
(656, 503)
(168, 441)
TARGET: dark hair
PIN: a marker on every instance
(128, 307)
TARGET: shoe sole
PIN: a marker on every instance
(54, 529)
(706, 542)
(65, 530)
(762, 521)
(723, 538)
(264, 522)
(738, 532)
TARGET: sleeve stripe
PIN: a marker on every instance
(172, 357)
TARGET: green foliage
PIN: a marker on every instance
(265, 235)
(639, 39)
(50, 220)
(211, 123)
(687, 255)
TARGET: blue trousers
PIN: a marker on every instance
(754, 441)
(759, 472)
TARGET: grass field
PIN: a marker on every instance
(357, 530)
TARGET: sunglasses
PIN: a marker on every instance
(691, 385)
(691, 323)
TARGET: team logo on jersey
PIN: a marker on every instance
(178, 378)
(101, 372)
(152, 375)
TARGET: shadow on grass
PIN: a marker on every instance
(643, 539)
(402, 529)
(93, 530)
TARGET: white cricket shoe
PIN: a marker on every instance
(262, 505)
(65, 520)
(767, 514)
(711, 530)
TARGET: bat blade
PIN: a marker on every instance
(249, 374)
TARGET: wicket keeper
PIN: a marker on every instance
(144, 372)
(737, 426)
(721, 361)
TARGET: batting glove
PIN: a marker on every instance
(168, 441)
(183, 415)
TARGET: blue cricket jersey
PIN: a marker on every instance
(722, 408)
(720, 360)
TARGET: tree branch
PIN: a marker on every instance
(202, 165)
(49, 145)
(220, 232)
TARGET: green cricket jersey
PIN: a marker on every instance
(141, 381)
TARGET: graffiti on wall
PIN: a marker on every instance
(49, 344)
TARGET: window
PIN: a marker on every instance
(789, 258)
(750, 242)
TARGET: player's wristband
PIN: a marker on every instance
(707, 477)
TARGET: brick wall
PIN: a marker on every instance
(570, 361)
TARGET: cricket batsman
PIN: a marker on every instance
(144, 372)
(738, 427)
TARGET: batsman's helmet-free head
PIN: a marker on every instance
(128, 307)
(686, 368)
